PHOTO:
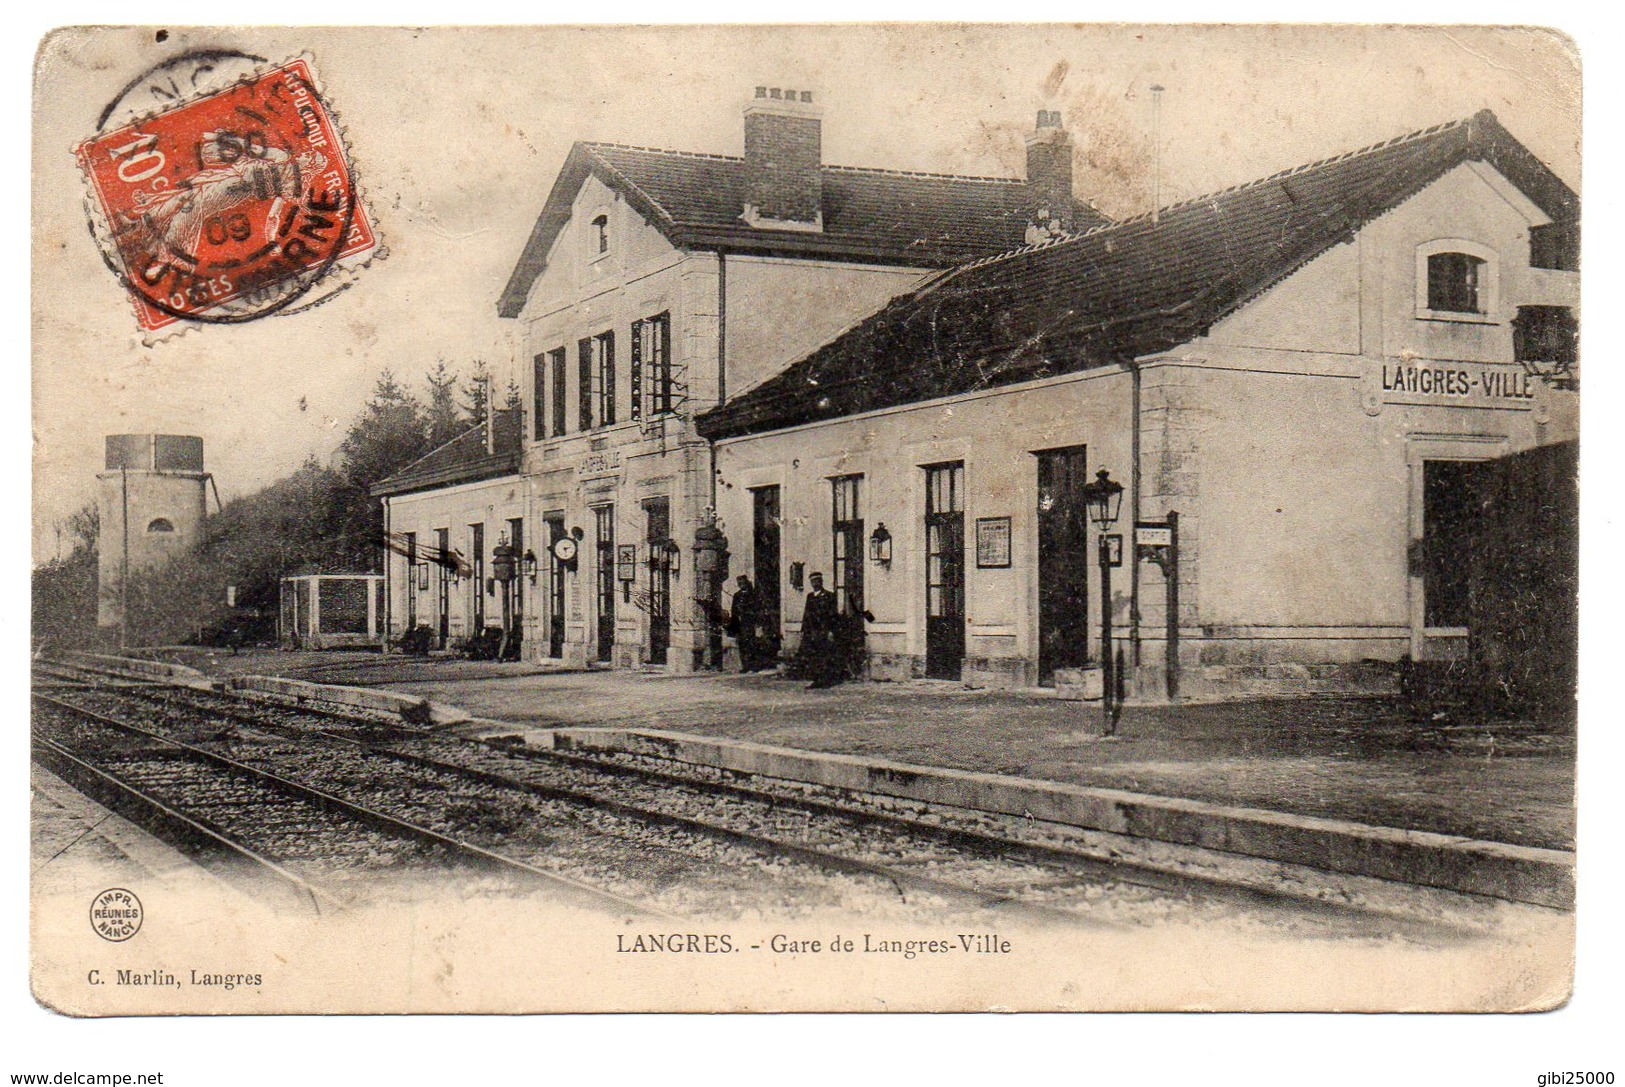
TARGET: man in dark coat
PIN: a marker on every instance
(818, 655)
(747, 624)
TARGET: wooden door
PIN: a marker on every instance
(605, 518)
(555, 588)
(516, 587)
(443, 605)
(411, 581)
(945, 570)
(765, 553)
(1449, 529)
(476, 602)
(657, 512)
(1063, 566)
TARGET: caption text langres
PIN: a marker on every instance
(694, 943)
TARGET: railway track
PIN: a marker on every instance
(764, 828)
(321, 847)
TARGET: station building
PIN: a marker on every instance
(657, 284)
(444, 515)
(1299, 368)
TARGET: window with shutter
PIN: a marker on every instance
(560, 379)
(659, 355)
(604, 352)
(637, 370)
(584, 382)
(538, 397)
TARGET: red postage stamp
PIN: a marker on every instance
(232, 206)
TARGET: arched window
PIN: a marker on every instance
(160, 524)
(600, 234)
(1457, 280)
(1453, 283)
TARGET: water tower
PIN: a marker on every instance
(152, 501)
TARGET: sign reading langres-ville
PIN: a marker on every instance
(1459, 381)
(908, 517)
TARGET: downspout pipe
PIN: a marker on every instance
(124, 560)
(722, 327)
(1134, 511)
(389, 570)
(722, 363)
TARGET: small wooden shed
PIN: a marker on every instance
(325, 611)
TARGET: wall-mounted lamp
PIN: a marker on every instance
(880, 545)
(673, 552)
(530, 565)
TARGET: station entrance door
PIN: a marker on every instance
(1063, 570)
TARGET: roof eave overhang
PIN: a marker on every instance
(429, 481)
(786, 243)
(1491, 142)
(556, 212)
(741, 239)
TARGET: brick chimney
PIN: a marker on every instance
(783, 152)
(1049, 177)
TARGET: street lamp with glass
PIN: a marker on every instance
(504, 567)
(1104, 499)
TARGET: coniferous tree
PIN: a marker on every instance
(476, 394)
(444, 419)
(390, 433)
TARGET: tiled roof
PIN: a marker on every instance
(1123, 290)
(882, 216)
(463, 459)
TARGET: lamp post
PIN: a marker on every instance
(1104, 497)
(503, 568)
(710, 571)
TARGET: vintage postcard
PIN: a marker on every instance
(804, 518)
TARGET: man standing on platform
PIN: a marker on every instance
(745, 624)
(817, 654)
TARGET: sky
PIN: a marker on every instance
(458, 134)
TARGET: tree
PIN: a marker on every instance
(514, 399)
(292, 526)
(476, 394)
(391, 432)
(64, 589)
(84, 527)
(445, 421)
